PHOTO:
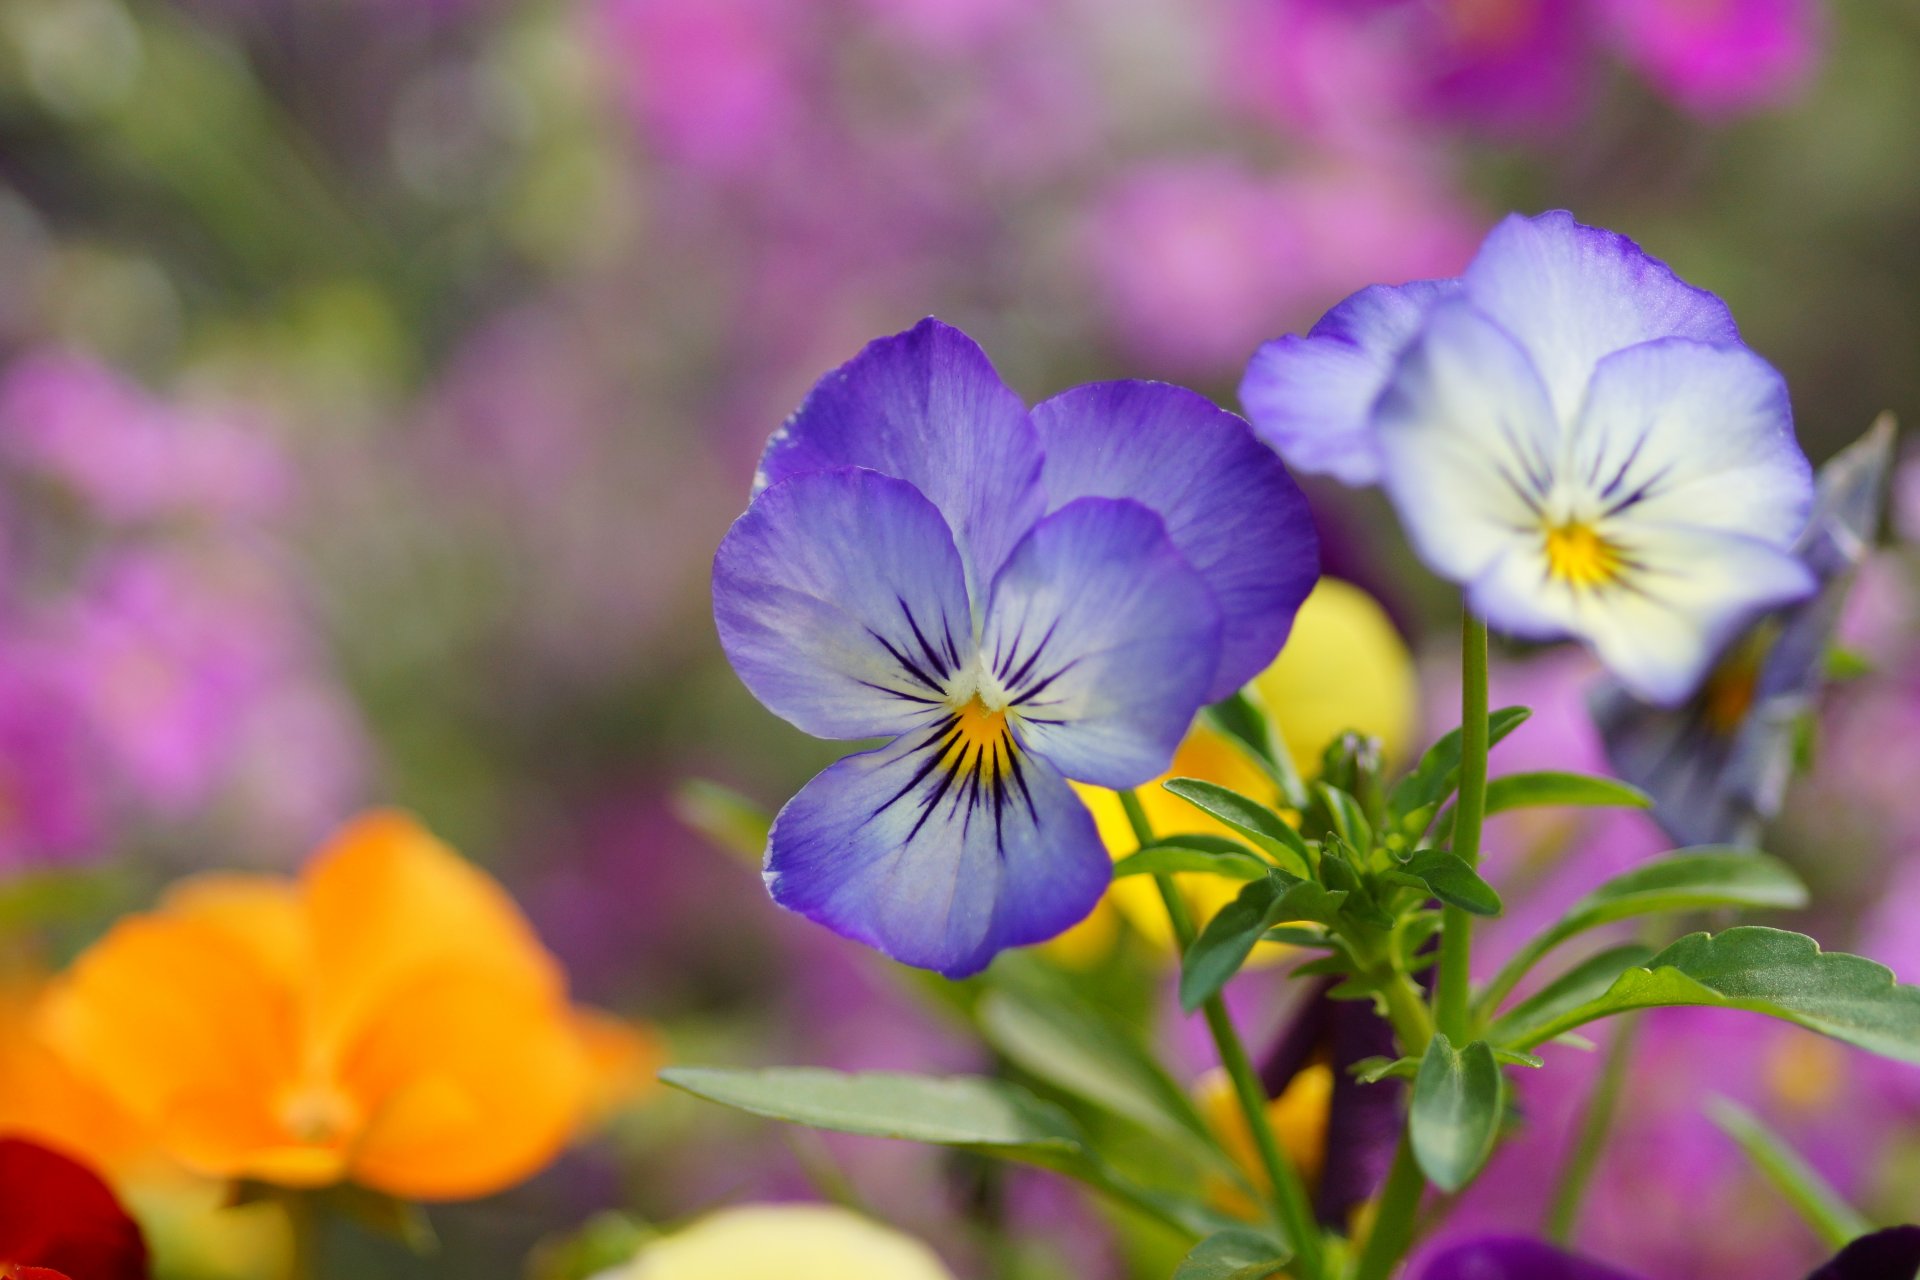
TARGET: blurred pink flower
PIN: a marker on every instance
(129, 455)
(1719, 58)
(50, 798)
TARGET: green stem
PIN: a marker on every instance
(303, 1235)
(1412, 1025)
(1394, 1215)
(1595, 1125)
(1291, 1206)
(1450, 992)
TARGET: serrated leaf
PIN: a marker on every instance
(1437, 774)
(1259, 823)
(1453, 881)
(1586, 981)
(1075, 1049)
(1455, 1115)
(1175, 857)
(1236, 1254)
(1768, 971)
(953, 1111)
(1548, 789)
(1223, 946)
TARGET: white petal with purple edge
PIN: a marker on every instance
(1229, 505)
(841, 602)
(1100, 641)
(927, 407)
(934, 861)
(1571, 294)
(1312, 398)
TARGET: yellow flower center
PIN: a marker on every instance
(980, 741)
(1580, 557)
(318, 1114)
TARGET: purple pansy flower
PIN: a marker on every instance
(1893, 1254)
(1718, 766)
(1013, 598)
(1569, 430)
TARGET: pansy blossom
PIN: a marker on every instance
(60, 1221)
(1569, 430)
(1718, 766)
(1011, 598)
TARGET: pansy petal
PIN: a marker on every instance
(1572, 294)
(1892, 1254)
(1104, 641)
(841, 602)
(1468, 442)
(925, 406)
(1660, 628)
(1676, 431)
(1312, 397)
(1229, 505)
(917, 850)
(58, 1214)
(1514, 1258)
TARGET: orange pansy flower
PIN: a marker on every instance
(388, 1019)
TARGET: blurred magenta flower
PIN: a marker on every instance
(1015, 599)
(51, 799)
(1719, 58)
(1893, 1254)
(131, 456)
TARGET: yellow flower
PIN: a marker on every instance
(1299, 1119)
(790, 1241)
(388, 1019)
(1344, 667)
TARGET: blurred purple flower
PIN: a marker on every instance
(50, 800)
(130, 456)
(1719, 58)
(1893, 1254)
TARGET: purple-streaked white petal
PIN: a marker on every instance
(935, 863)
(1515, 1258)
(1230, 507)
(1102, 640)
(1572, 294)
(926, 407)
(1312, 397)
(1688, 593)
(1676, 431)
(841, 602)
(1469, 442)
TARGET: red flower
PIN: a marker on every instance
(59, 1221)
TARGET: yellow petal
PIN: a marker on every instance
(623, 1060)
(790, 1241)
(1344, 667)
(260, 913)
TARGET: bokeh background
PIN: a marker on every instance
(377, 377)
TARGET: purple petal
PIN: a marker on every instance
(925, 406)
(1312, 398)
(916, 850)
(841, 602)
(1104, 641)
(1515, 1258)
(1229, 505)
(1893, 1254)
(1572, 294)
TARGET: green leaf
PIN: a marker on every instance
(973, 1112)
(1438, 772)
(1223, 946)
(1455, 1115)
(1349, 821)
(1258, 822)
(1177, 855)
(1690, 880)
(1586, 981)
(1237, 1254)
(1769, 971)
(1824, 1208)
(1845, 664)
(724, 816)
(1453, 881)
(1070, 1045)
(1544, 790)
(1340, 876)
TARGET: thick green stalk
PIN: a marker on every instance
(1450, 1013)
(1394, 1215)
(1577, 1173)
(303, 1235)
(1292, 1209)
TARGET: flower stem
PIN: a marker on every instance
(1604, 1103)
(303, 1235)
(1394, 1214)
(1291, 1206)
(1450, 1013)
